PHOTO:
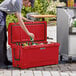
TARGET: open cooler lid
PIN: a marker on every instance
(16, 33)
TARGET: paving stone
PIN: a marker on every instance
(7, 73)
(26, 73)
(15, 72)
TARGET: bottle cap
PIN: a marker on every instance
(31, 39)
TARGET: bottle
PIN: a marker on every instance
(19, 44)
(29, 43)
(31, 39)
(35, 44)
(24, 44)
(16, 43)
(70, 3)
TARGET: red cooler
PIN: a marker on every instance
(31, 55)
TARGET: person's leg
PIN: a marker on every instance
(5, 48)
(1, 45)
(5, 42)
(3, 39)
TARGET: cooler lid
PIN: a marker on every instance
(16, 33)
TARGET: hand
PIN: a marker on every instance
(32, 35)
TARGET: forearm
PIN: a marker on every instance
(21, 23)
(26, 19)
(23, 26)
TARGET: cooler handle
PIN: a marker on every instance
(17, 59)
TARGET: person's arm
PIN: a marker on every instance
(26, 19)
(21, 23)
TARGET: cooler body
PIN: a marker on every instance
(32, 55)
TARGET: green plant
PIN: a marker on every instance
(10, 19)
(40, 6)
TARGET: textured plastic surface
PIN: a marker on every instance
(35, 55)
(17, 34)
